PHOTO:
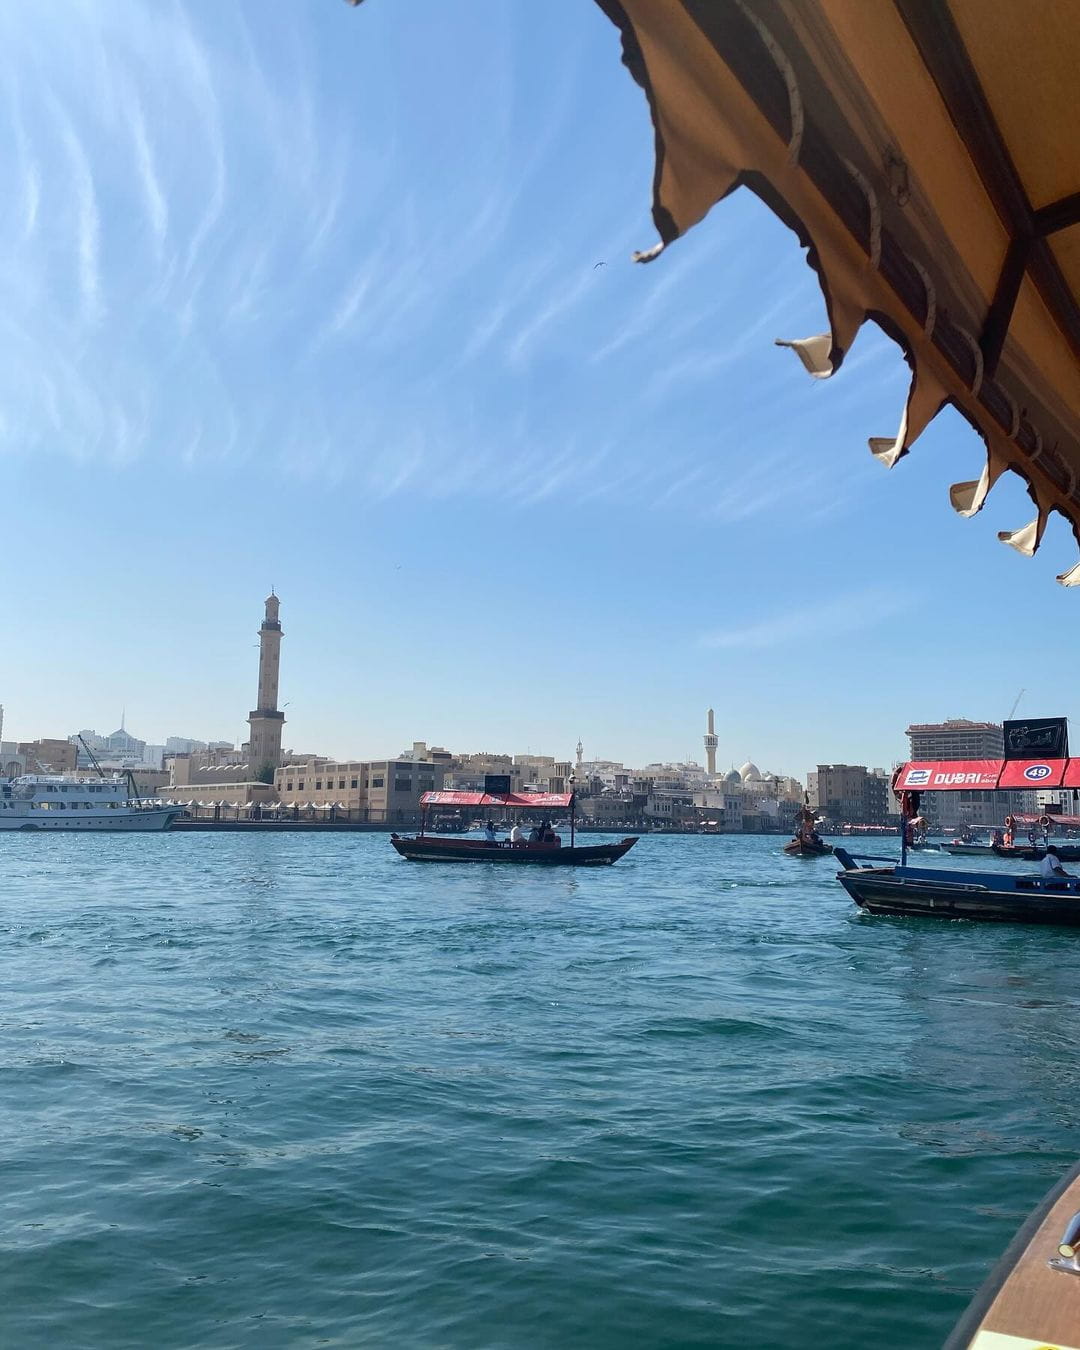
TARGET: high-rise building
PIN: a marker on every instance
(711, 741)
(265, 721)
(958, 738)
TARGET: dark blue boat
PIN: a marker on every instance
(938, 893)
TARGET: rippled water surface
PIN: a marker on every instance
(294, 1091)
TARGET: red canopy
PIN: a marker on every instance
(986, 775)
(543, 800)
(950, 775)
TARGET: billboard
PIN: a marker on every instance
(951, 775)
(1032, 773)
(1037, 737)
(497, 784)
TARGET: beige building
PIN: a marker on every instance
(386, 790)
(48, 756)
(222, 793)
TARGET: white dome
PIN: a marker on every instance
(750, 772)
(733, 777)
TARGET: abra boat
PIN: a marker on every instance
(61, 802)
(940, 893)
(433, 848)
(807, 843)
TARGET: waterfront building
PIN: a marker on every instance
(265, 720)
(847, 794)
(387, 790)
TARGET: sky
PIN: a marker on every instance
(341, 302)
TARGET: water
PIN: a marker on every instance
(294, 1091)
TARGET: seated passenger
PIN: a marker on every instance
(517, 836)
(1050, 868)
(535, 835)
(489, 833)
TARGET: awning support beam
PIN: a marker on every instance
(1057, 215)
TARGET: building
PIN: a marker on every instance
(48, 756)
(847, 794)
(959, 738)
(387, 791)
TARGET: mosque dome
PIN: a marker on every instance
(733, 777)
(750, 772)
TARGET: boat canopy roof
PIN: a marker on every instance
(987, 775)
(546, 800)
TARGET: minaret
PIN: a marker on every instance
(264, 744)
(710, 746)
(580, 752)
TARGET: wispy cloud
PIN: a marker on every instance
(847, 613)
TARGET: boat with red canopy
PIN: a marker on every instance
(945, 893)
(547, 852)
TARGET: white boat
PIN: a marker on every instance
(59, 802)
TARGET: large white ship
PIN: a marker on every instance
(58, 802)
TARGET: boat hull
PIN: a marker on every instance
(924, 893)
(426, 848)
(797, 849)
(1032, 1297)
(89, 822)
(1036, 853)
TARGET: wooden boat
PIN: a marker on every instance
(1031, 1300)
(804, 848)
(962, 850)
(935, 892)
(1036, 852)
(807, 843)
(433, 848)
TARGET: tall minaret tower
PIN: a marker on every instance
(711, 740)
(579, 752)
(264, 745)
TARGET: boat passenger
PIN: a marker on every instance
(536, 835)
(517, 836)
(1050, 867)
(489, 833)
(547, 834)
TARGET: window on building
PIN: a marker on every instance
(402, 784)
(300, 785)
(318, 785)
(341, 782)
(288, 787)
(378, 782)
(354, 782)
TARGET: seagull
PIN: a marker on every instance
(599, 264)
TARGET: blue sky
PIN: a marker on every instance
(307, 296)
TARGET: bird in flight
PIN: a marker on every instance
(599, 264)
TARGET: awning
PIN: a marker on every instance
(927, 153)
(986, 775)
(545, 800)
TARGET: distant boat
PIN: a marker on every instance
(424, 847)
(802, 848)
(61, 802)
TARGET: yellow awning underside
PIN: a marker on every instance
(928, 154)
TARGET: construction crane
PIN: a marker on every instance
(1016, 704)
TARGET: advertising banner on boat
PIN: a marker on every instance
(1032, 773)
(950, 775)
(1031, 736)
(1072, 774)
